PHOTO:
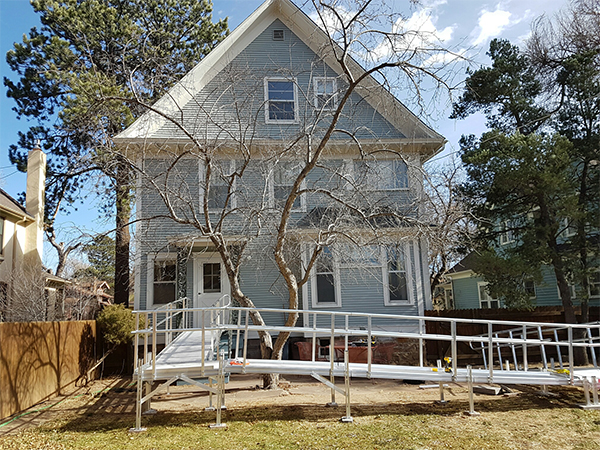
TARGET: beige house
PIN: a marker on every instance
(21, 250)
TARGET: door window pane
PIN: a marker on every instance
(212, 277)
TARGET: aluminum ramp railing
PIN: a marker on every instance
(152, 367)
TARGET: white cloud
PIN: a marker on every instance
(419, 31)
(492, 23)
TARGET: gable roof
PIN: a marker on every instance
(415, 130)
(10, 207)
(468, 263)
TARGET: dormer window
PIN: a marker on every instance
(281, 100)
(325, 93)
(278, 35)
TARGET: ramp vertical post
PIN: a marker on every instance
(558, 349)
(245, 353)
(514, 352)
(369, 352)
(210, 406)
(571, 361)
(421, 328)
(138, 402)
(220, 393)
(331, 361)
(347, 418)
(471, 411)
(454, 349)
(499, 353)
(441, 383)
(592, 348)
(491, 352)
(542, 348)
(237, 335)
(314, 338)
(524, 336)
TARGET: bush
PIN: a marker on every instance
(116, 324)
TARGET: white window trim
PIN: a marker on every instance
(590, 285)
(268, 120)
(354, 177)
(271, 188)
(202, 176)
(568, 229)
(484, 283)
(337, 287)
(333, 103)
(386, 279)
(150, 277)
(506, 235)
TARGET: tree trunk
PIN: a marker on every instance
(122, 234)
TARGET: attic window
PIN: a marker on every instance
(278, 35)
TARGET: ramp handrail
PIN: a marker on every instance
(335, 324)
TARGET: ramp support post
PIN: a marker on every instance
(348, 417)
(138, 402)
(220, 393)
(471, 411)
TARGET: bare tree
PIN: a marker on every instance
(451, 225)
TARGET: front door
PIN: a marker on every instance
(210, 284)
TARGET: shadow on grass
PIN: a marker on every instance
(116, 410)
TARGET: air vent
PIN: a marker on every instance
(278, 35)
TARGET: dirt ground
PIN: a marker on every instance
(117, 395)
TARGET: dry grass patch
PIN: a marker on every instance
(524, 421)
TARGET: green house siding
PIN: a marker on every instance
(466, 294)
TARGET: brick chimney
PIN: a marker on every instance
(34, 204)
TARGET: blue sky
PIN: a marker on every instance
(467, 26)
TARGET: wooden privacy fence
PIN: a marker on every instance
(469, 355)
(40, 359)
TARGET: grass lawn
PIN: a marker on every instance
(523, 421)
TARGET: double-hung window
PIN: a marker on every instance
(281, 98)
(325, 93)
(324, 282)
(397, 276)
(220, 184)
(164, 281)
(506, 233)
(381, 174)
(485, 299)
(284, 176)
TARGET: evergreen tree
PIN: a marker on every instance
(537, 188)
(85, 52)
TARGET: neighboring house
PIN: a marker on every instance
(259, 88)
(468, 289)
(21, 249)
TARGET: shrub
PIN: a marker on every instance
(116, 323)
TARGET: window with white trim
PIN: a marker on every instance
(397, 275)
(325, 93)
(324, 285)
(381, 174)
(485, 300)
(567, 228)
(219, 183)
(281, 99)
(594, 284)
(506, 234)
(284, 175)
(164, 281)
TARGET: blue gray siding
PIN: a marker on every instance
(210, 114)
